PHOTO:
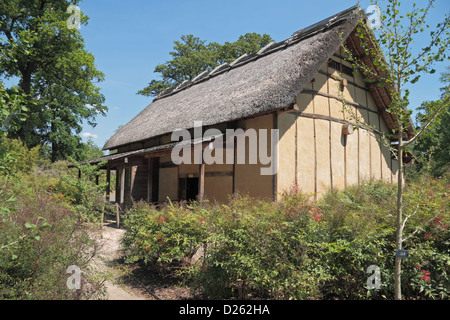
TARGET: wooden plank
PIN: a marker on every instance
(167, 165)
(333, 119)
(122, 185)
(315, 147)
(117, 195)
(155, 178)
(329, 136)
(118, 215)
(296, 150)
(370, 140)
(201, 182)
(219, 174)
(275, 176)
(108, 181)
(234, 166)
(149, 179)
(337, 78)
(332, 96)
(133, 170)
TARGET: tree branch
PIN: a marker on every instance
(421, 228)
(435, 114)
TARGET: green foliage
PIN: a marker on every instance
(435, 139)
(57, 76)
(82, 192)
(39, 239)
(43, 232)
(398, 63)
(88, 151)
(296, 248)
(165, 235)
(17, 157)
(12, 109)
(192, 56)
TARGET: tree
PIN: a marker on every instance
(55, 72)
(192, 56)
(12, 108)
(397, 63)
(437, 136)
(89, 150)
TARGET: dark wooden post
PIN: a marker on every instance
(117, 196)
(149, 179)
(108, 181)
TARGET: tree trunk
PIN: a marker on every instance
(399, 237)
(54, 143)
(25, 130)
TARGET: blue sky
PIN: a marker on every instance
(129, 38)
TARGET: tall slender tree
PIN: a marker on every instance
(397, 63)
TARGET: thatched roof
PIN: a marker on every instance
(265, 81)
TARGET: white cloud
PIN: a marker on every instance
(90, 106)
(89, 135)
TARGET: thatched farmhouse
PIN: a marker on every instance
(293, 88)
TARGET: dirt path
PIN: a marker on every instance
(109, 253)
(138, 282)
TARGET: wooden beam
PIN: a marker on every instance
(117, 195)
(291, 108)
(370, 140)
(234, 166)
(122, 185)
(327, 95)
(275, 176)
(149, 179)
(332, 76)
(108, 181)
(117, 215)
(201, 182)
(341, 87)
(155, 179)
(133, 171)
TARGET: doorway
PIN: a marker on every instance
(191, 189)
(188, 189)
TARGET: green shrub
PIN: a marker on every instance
(39, 239)
(165, 235)
(299, 249)
(19, 157)
(360, 222)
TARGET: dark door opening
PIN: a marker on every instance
(188, 189)
(191, 189)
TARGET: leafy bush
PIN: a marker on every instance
(43, 215)
(39, 239)
(166, 235)
(85, 196)
(16, 157)
(300, 249)
(249, 246)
